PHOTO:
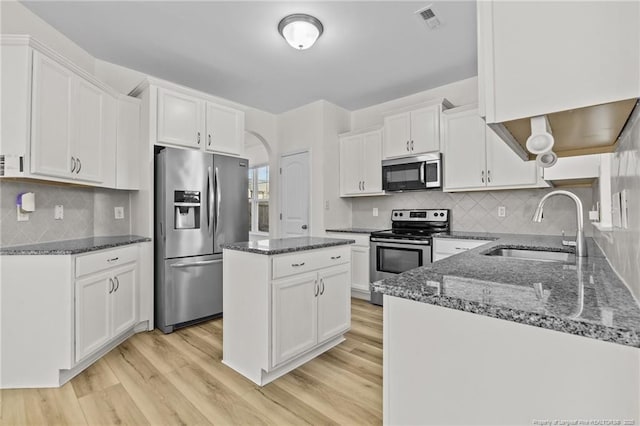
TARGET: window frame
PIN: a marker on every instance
(255, 201)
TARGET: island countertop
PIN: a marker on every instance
(286, 245)
(584, 298)
(82, 245)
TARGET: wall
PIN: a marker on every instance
(17, 19)
(622, 246)
(478, 211)
(315, 127)
(87, 212)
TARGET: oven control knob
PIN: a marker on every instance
(395, 214)
(441, 214)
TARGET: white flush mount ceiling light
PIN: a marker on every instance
(300, 30)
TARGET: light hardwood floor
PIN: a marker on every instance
(178, 378)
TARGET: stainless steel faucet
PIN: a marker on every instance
(581, 246)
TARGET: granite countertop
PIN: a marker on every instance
(354, 230)
(584, 297)
(81, 245)
(286, 245)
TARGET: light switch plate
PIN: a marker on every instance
(502, 211)
(118, 212)
(624, 210)
(22, 217)
(58, 212)
(375, 211)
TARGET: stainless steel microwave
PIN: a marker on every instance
(412, 173)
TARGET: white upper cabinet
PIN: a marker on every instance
(51, 111)
(540, 57)
(225, 129)
(475, 158)
(72, 125)
(128, 143)
(413, 132)
(360, 164)
(180, 119)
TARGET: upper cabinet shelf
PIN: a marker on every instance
(576, 62)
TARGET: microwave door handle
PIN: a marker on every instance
(423, 167)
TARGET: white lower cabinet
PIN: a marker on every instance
(360, 271)
(106, 306)
(283, 310)
(445, 247)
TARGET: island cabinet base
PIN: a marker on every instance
(445, 367)
(281, 311)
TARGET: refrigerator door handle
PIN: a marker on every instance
(210, 201)
(218, 198)
(202, 263)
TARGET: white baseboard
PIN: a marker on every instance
(360, 294)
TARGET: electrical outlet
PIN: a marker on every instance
(58, 212)
(21, 216)
(119, 212)
(502, 211)
(375, 211)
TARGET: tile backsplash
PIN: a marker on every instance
(87, 212)
(478, 211)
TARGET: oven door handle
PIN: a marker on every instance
(399, 243)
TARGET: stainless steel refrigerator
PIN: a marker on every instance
(201, 202)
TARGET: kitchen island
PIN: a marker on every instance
(285, 301)
(510, 341)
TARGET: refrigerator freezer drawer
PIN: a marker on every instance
(193, 288)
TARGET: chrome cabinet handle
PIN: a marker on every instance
(113, 259)
(363, 185)
(209, 140)
(198, 140)
(79, 165)
(297, 264)
(322, 283)
(411, 145)
(117, 284)
(482, 178)
(489, 176)
(304, 226)
(111, 285)
(335, 257)
(73, 164)
(316, 288)
(407, 145)
(461, 248)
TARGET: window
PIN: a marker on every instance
(259, 198)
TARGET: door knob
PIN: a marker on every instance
(304, 226)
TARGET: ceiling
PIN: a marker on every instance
(370, 52)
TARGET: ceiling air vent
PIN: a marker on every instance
(429, 17)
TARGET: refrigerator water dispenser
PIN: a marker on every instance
(186, 207)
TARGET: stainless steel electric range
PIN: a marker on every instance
(407, 245)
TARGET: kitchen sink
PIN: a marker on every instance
(533, 254)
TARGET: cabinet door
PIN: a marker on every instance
(396, 135)
(371, 159)
(89, 131)
(464, 150)
(92, 313)
(334, 302)
(128, 144)
(179, 119)
(504, 167)
(51, 130)
(225, 130)
(425, 130)
(360, 268)
(350, 165)
(295, 316)
(124, 300)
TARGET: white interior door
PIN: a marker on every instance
(294, 195)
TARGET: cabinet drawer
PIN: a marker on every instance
(297, 263)
(99, 261)
(453, 246)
